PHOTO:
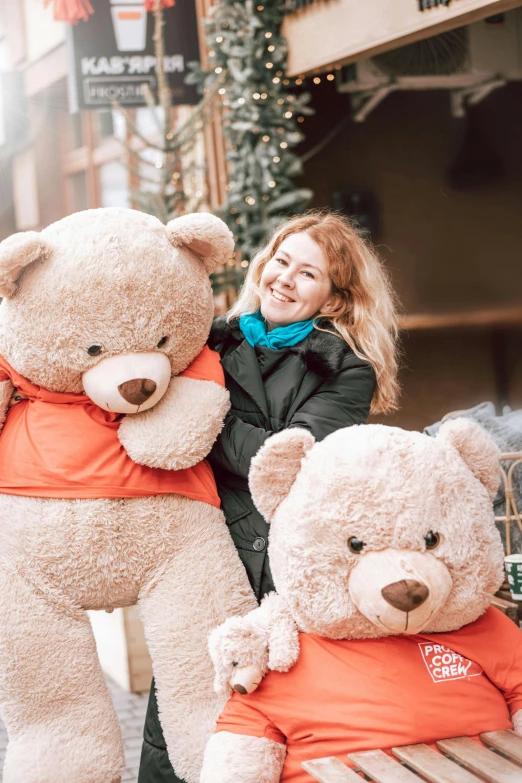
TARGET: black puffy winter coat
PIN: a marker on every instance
(320, 385)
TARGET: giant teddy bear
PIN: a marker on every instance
(106, 313)
(385, 557)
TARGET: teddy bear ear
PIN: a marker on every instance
(17, 252)
(275, 467)
(476, 448)
(206, 235)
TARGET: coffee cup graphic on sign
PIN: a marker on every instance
(129, 19)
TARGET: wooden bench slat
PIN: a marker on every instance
(330, 770)
(507, 742)
(509, 608)
(382, 768)
(480, 760)
(432, 765)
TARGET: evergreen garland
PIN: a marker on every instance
(261, 116)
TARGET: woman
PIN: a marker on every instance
(310, 342)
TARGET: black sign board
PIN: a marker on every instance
(424, 5)
(112, 54)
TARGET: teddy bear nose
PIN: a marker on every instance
(406, 595)
(137, 391)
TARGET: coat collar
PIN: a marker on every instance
(322, 352)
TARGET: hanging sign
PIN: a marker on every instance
(112, 54)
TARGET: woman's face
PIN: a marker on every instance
(295, 284)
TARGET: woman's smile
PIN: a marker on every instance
(295, 284)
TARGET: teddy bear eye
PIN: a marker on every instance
(94, 350)
(162, 342)
(355, 545)
(432, 540)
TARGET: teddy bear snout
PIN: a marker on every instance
(138, 390)
(406, 594)
(128, 383)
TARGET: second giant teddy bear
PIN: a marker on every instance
(106, 313)
(385, 557)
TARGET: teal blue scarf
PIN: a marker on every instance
(254, 327)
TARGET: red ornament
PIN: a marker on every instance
(73, 10)
(150, 5)
(70, 10)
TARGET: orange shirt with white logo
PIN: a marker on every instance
(57, 445)
(347, 696)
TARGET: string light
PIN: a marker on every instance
(170, 136)
(244, 264)
(264, 96)
(219, 39)
(276, 159)
(280, 130)
(317, 80)
(287, 115)
(298, 81)
(300, 119)
(212, 53)
(266, 138)
(330, 77)
(286, 81)
(222, 91)
(260, 7)
(271, 184)
(238, 221)
(280, 101)
(283, 145)
(241, 101)
(268, 35)
(256, 96)
(233, 211)
(219, 69)
(269, 65)
(271, 48)
(279, 73)
(276, 80)
(231, 262)
(250, 200)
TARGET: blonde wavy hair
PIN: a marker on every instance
(366, 318)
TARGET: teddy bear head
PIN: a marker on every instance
(109, 301)
(378, 531)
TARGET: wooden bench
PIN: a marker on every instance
(460, 760)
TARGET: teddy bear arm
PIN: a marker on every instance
(517, 722)
(230, 758)
(6, 390)
(180, 430)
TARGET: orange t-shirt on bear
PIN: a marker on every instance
(344, 696)
(57, 445)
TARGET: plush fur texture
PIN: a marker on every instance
(112, 278)
(233, 758)
(389, 489)
(274, 469)
(124, 287)
(205, 235)
(266, 638)
(179, 431)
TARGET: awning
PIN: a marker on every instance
(324, 33)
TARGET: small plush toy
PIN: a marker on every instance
(105, 497)
(385, 557)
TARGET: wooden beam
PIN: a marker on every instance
(338, 32)
(500, 316)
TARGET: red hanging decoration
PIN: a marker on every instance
(70, 10)
(150, 5)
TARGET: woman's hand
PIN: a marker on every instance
(16, 397)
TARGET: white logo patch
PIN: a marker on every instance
(443, 664)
